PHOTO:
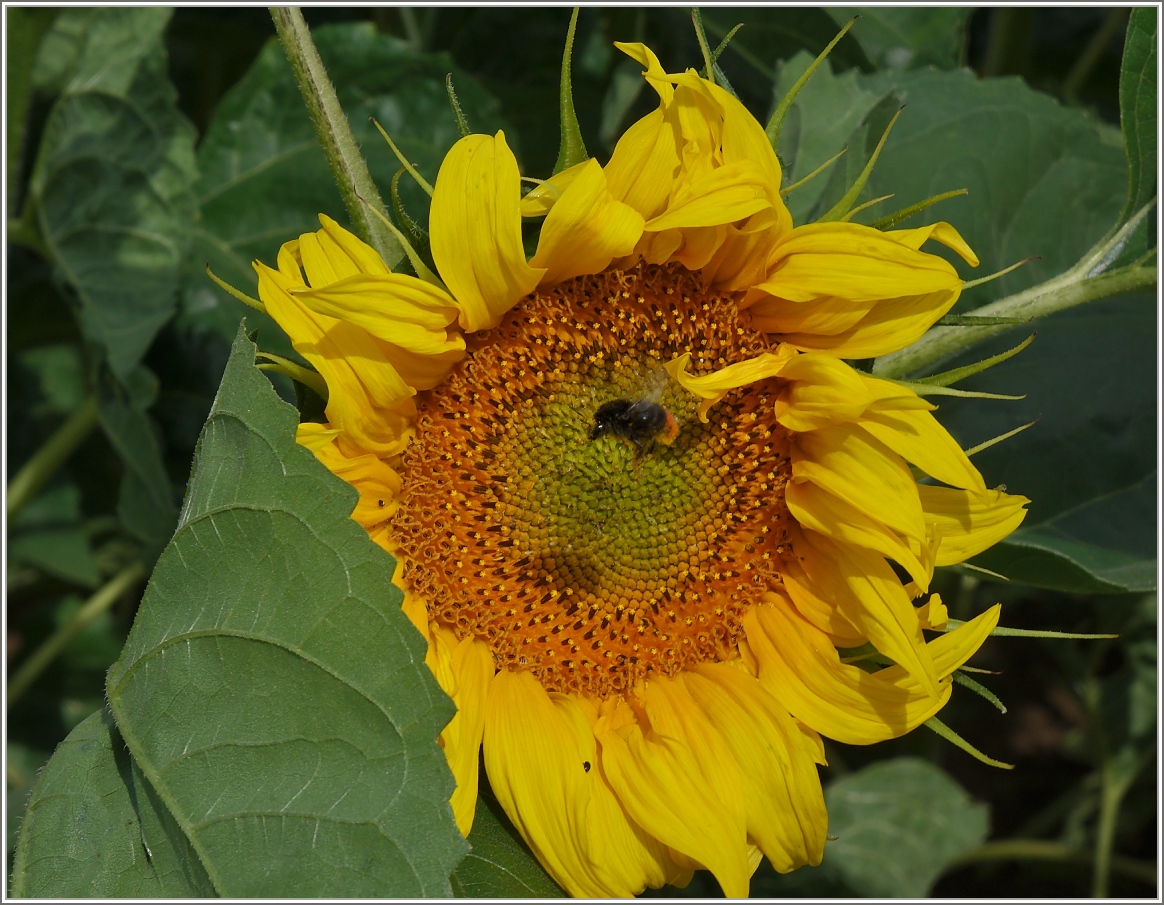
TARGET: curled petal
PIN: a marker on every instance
(969, 522)
(368, 399)
(800, 667)
(467, 668)
(377, 484)
(940, 232)
(852, 289)
(642, 169)
(475, 230)
(713, 387)
(586, 228)
(870, 596)
(333, 253)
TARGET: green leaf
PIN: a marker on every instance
(94, 827)
(271, 690)
(821, 122)
(48, 535)
(1089, 463)
(772, 34)
(265, 180)
(146, 499)
(499, 866)
(1138, 107)
(899, 823)
(1043, 180)
(907, 37)
(112, 183)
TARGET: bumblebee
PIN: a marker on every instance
(640, 422)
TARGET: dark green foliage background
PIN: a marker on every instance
(253, 734)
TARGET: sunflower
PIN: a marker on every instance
(642, 628)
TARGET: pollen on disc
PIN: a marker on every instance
(591, 562)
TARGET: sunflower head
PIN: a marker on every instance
(637, 496)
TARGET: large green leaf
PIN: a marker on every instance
(271, 690)
(95, 828)
(821, 122)
(1043, 180)
(265, 180)
(146, 499)
(897, 825)
(905, 37)
(499, 865)
(1089, 463)
(113, 178)
(1138, 76)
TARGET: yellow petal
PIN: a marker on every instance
(536, 769)
(615, 845)
(933, 615)
(890, 325)
(917, 437)
(940, 232)
(396, 308)
(475, 230)
(378, 485)
(367, 397)
(642, 169)
(828, 514)
(870, 596)
(654, 74)
(970, 522)
(818, 606)
(585, 229)
(785, 804)
(333, 253)
(539, 200)
(713, 387)
(858, 468)
(850, 261)
(822, 319)
(843, 702)
(725, 195)
(677, 779)
(470, 670)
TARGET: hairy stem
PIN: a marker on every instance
(335, 135)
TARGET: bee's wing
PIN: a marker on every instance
(655, 383)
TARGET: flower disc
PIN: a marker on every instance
(593, 562)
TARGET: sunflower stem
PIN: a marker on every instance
(46, 460)
(335, 135)
(1043, 850)
(1065, 291)
(56, 642)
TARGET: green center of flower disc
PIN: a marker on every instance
(593, 558)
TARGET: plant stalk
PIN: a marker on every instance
(1062, 292)
(1043, 850)
(101, 601)
(335, 135)
(46, 460)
